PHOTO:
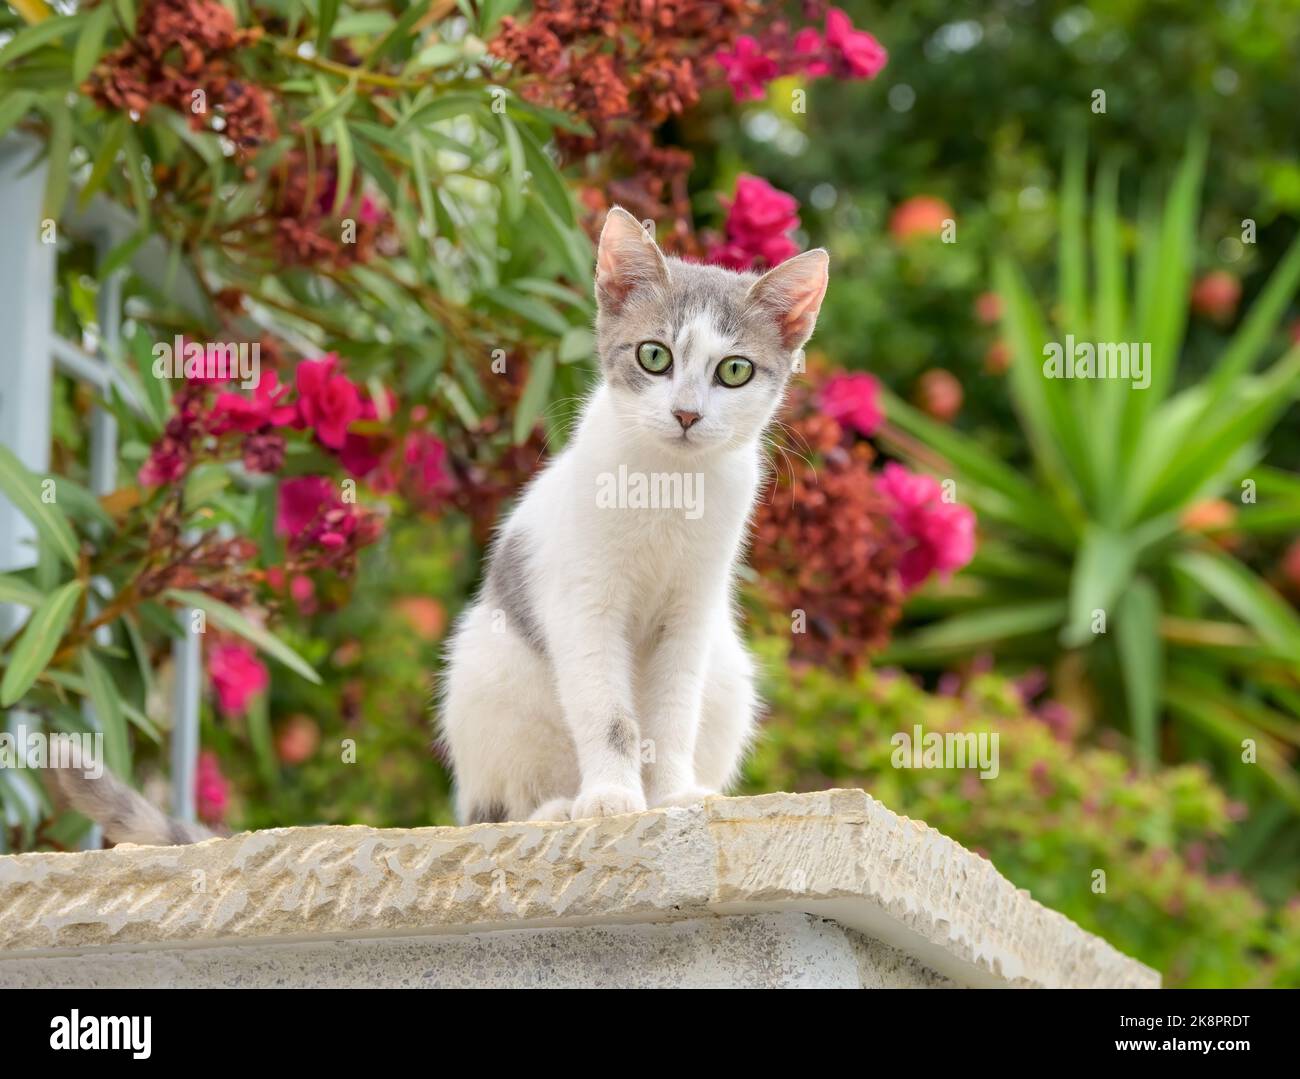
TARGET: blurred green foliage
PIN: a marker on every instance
(1058, 812)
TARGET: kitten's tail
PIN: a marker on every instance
(125, 815)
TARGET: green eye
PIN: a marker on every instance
(735, 371)
(653, 357)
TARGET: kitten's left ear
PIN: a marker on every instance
(792, 293)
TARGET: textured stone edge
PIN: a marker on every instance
(839, 854)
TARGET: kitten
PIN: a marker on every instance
(600, 670)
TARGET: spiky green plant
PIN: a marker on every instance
(1083, 558)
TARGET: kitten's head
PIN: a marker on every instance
(697, 357)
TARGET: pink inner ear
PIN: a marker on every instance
(626, 258)
(803, 299)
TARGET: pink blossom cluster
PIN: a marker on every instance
(237, 676)
(940, 535)
(211, 788)
(759, 222)
(853, 401)
(842, 52)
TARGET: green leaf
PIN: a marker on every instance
(537, 391)
(1045, 410)
(1203, 454)
(512, 191)
(23, 489)
(1141, 661)
(1256, 329)
(399, 33)
(108, 711)
(126, 11)
(327, 13)
(105, 157)
(346, 164)
(204, 484)
(80, 504)
(31, 38)
(577, 344)
(1070, 250)
(530, 308)
(59, 151)
(981, 628)
(38, 642)
(442, 107)
(1245, 595)
(1102, 569)
(546, 178)
(139, 185)
(90, 42)
(332, 108)
(16, 590)
(227, 618)
(14, 107)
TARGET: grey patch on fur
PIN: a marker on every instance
(630, 375)
(622, 735)
(508, 583)
(492, 813)
(125, 815)
(697, 288)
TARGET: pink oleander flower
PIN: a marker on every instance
(370, 211)
(759, 220)
(853, 401)
(301, 501)
(810, 54)
(362, 454)
(211, 789)
(425, 456)
(311, 514)
(748, 68)
(327, 401)
(235, 412)
(940, 535)
(859, 55)
(237, 676)
(165, 464)
(303, 590)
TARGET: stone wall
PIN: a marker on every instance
(824, 889)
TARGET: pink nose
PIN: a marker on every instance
(686, 419)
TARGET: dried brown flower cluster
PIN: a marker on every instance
(307, 230)
(626, 66)
(182, 56)
(823, 543)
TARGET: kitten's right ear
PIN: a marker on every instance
(627, 259)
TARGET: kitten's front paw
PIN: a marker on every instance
(608, 802)
(688, 797)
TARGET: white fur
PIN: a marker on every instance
(607, 580)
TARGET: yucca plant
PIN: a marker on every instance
(1085, 565)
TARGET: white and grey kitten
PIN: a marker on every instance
(600, 670)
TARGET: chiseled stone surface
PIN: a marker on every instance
(838, 855)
